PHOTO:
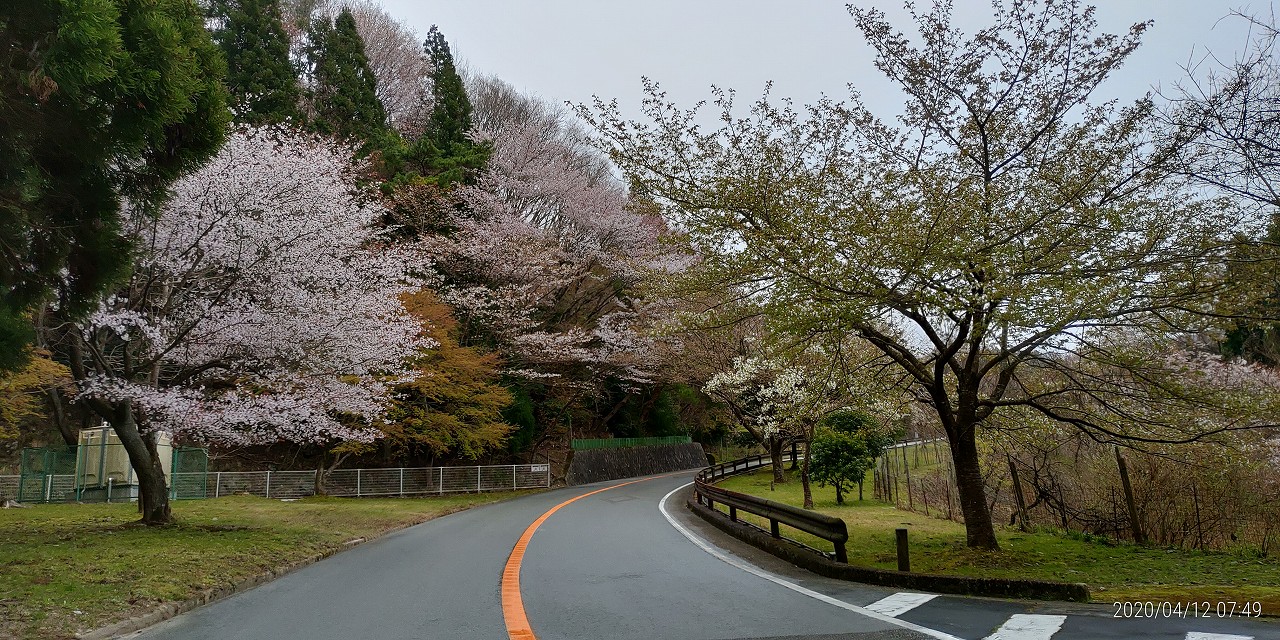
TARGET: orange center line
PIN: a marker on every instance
(513, 613)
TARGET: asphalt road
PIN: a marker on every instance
(614, 565)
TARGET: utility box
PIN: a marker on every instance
(103, 471)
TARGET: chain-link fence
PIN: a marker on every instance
(375, 482)
(185, 485)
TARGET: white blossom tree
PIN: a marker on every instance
(258, 310)
(1000, 242)
(548, 258)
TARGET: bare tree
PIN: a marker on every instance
(1235, 110)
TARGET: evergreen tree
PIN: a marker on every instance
(98, 101)
(262, 79)
(344, 93)
(445, 152)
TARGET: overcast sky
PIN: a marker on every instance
(573, 49)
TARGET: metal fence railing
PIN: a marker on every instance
(298, 484)
(372, 482)
(619, 443)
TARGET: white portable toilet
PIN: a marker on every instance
(103, 471)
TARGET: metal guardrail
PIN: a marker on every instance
(827, 527)
(619, 443)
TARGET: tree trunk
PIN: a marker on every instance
(70, 435)
(839, 494)
(775, 456)
(1024, 523)
(860, 481)
(1135, 523)
(980, 532)
(804, 479)
(321, 474)
(153, 491)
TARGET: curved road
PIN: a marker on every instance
(617, 565)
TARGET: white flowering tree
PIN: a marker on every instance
(775, 402)
(547, 259)
(258, 311)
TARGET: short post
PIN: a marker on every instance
(904, 556)
(268, 484)
(48, 488)
(357, 483)
(110, 481)
(733, 513)
(440, 484)
(217, 483)
(477, 479)
(513, 478)
(401, 482)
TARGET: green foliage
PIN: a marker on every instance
(445, 154)
(99, 100)
(521, 414)
(1257, 339)
(344, 95)
(260, 76)
(844, 448)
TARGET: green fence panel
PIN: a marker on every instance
(47, 474)
(620, 443)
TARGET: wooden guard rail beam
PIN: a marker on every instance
(827, 527)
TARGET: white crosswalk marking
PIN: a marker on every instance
(900, 603)
(1025, 626)
(1201, 635)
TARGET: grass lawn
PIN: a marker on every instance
(75, 567)
(1113, 571)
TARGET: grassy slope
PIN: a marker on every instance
(1112, 571)
(70, 568)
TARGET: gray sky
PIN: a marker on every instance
(571, 49)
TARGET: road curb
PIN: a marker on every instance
(168, 610)
(960, 585)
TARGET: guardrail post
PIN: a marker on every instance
(733, 513)
(773, 529)
(904, 556)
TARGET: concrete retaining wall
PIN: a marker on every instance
(598, 465)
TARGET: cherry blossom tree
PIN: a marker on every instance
(548, 258)
(258, 311)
